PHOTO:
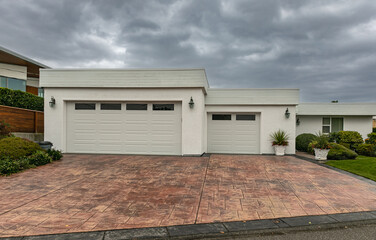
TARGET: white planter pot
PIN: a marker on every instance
(321, 154)
(279, 150)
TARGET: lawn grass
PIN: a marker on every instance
(362, 165)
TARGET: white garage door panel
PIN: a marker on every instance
(124, 131)
(233, 136)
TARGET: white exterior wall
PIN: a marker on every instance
(13, 71)
(362, 124)
(192, 119)
(272, 118)
(313, 124)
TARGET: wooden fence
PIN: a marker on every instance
(22, 120)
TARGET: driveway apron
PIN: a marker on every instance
(100, 192)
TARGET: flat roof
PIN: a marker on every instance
(252, 96)
(337, 109)
(124, 78)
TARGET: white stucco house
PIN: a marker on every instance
(166, 112)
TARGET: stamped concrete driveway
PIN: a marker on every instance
(100, 192)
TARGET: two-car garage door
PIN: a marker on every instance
(124, 128)
(234, 133)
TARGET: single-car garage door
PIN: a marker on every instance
(234, 133)
(124, 128)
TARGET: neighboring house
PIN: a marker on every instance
(18, 72)
(334, 117)
(151, 112)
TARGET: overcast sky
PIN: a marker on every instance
(325, 48)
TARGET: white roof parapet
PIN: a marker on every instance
(252, 96)
(124, 78)
(337, 109)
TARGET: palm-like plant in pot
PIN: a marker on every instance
(279, 141)
(321, 146)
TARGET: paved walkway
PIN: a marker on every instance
(100, 192)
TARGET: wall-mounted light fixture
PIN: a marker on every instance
(297, 122)
(52, 102)
(287, 113)
(191, 103)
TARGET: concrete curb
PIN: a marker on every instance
(225, 229)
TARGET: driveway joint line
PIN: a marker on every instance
(202, 189)
(33, 200)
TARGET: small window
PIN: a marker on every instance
(245, 117)
(40, 92)
(110, 106)
(163, 107)
(325, 129)
(84, 106)
(325, 121)
(221, 117)
(136, 106)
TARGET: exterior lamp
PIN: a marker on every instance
(297, 122)
(287, 113)
(191, 103)
(52, 102)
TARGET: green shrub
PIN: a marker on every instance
(374, 130)
(303, 140)
(9, 165)
(371, 138)
(4, 130)
(346, 145)
(366, 149)
(350, 137)
(16, 148)
(20, 99)
(334, 137)
(39, 158)
(54, 154)
(339, 152)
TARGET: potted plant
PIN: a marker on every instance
(321, 146)
(280, 141)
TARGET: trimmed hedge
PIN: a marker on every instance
(16, 148)
(350, 137)
(303, 140)
(339, 152)
(20, 99)
(371, 138)
(366, 149)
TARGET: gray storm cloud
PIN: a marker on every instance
(325, 48)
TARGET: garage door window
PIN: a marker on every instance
(136, 106)
(245, 117)
(221, 117)
(84, 106)
(163, 107)
(110, 106)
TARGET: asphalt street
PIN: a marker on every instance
(358, 232)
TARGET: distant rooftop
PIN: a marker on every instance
(9, 57)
